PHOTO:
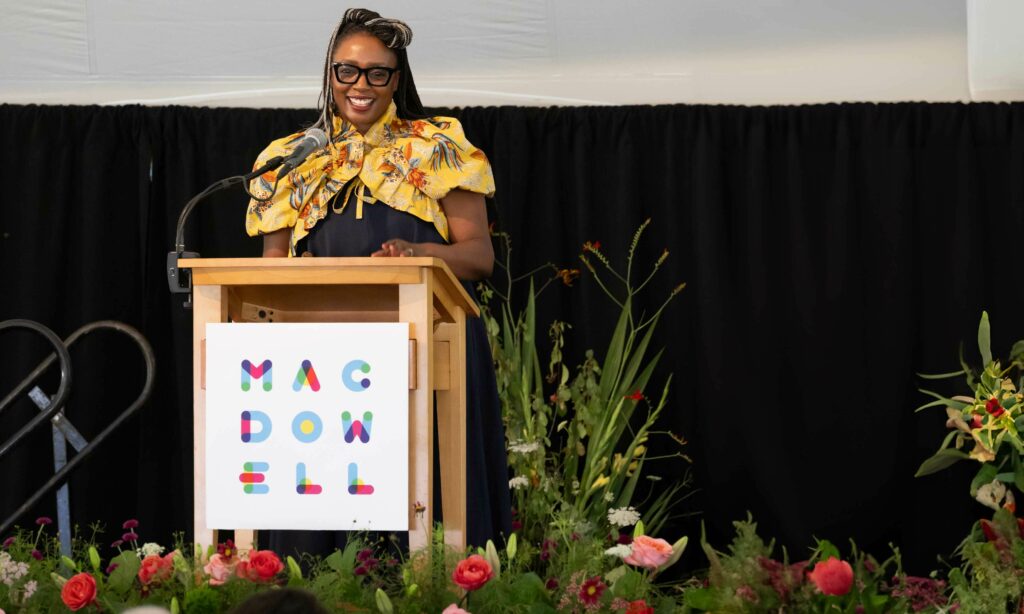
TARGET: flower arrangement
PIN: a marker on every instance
(584, 540)
(577, 444)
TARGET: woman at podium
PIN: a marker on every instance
(392, 182)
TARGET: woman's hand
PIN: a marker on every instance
(397, 248)
(470, 254)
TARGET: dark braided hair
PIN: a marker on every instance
(395, 35)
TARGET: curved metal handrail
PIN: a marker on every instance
(62, 354)
(63, 390)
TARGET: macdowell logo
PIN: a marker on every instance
(262, 371)
(254, 473)
(351, 378)
(251, 418)
(306, 377)
(354, 429)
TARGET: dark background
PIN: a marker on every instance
(831, 252)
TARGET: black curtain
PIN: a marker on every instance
(831, 252)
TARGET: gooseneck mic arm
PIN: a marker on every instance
(180, 281)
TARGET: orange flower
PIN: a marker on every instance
(591, 246)
(156, 568)
(417, 177)
(261, 566)
(568, 275)
(639, 607)
(832, 577)
(472, 573)
(79, 591)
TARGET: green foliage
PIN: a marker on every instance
(203, 600)
(578, 443)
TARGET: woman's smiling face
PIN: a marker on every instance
(360, 103)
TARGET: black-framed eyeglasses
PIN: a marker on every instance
(375, 75)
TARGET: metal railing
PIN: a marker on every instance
(51, 409)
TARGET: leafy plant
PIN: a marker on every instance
(577, 443)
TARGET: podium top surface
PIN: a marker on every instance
(327, 271)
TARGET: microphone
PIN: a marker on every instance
(180, 280)
(313, 140)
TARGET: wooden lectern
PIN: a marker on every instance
(420, 291)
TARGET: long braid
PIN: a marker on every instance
(396, 35)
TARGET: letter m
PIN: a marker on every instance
(262, 371)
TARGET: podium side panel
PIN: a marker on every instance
(415, 305)
(209, 304)
(451, 424)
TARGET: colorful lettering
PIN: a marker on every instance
(306, 377)
(261, 419)
(253, 476)
(355, 485)
(349, 370)
(251, 371)
(303, 485)
(307, 427)
(354, 429)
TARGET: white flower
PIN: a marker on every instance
(620, 550)
(11, 570)
(519, 481)
(149, 548)
(991, 494)
(609, 497)
(623, 516)
(522, 447)
(30, 588)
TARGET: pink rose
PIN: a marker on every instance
(832, 577)
(649, 552)
(220, 569)
(452, 609)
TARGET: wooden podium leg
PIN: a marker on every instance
(208, 305)
(415, 306)
(451, 424)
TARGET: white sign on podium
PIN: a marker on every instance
(307, 426)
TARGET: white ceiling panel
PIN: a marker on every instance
(466, 52)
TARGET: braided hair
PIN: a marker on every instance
(395, 35)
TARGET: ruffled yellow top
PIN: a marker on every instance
(408, 165)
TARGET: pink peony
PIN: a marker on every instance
(454, 609)
(220, 569)
(649, 552)
(832, 577)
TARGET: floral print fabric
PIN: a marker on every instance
(408, 165)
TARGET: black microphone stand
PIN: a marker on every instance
(180, 280)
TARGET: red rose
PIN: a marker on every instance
(79, 591)
(472, 573)
(639, 607)
(832, 577)
(261, 566)
(156, 568)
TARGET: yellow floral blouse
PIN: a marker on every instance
(408, 165)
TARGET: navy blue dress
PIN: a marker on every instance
(489, 507)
